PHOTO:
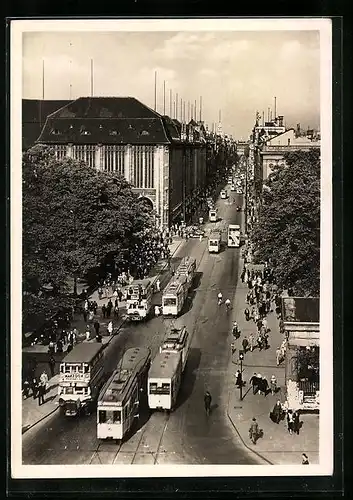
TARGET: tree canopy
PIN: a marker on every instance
(287, 233)
(74, 219)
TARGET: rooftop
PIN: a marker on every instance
(301, 309)
(83, 352)
(164, 365)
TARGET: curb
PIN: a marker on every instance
(242, 440)
(105, 345)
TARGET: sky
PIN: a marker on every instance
(235, 72)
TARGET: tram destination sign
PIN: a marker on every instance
(74, 376)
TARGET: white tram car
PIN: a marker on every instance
(164, 379)
(175, 293)
(122, 395)
(177, 340)
(187, 268)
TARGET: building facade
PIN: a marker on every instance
(163, 160)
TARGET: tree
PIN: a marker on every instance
(287, 233)
(74, 219)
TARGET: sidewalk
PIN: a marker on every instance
(32, 413)
(276, 446)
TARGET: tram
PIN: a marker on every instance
(164, 380)
(233, 235)
(174, 296)
(177, 340)
(215, 241)
(124, 393)
(187, 268)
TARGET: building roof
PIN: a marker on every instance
(83, 352)
(301, 309)
(107, 120)
(164, 365)
(34, 114)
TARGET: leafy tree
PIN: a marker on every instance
(288, 230)
(74, 219)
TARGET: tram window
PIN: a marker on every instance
(153, 388)
(169, 301)
(79, 390)
(117, 417)
(86, 368)
(166, 388)
(102, 416)
(69, 390)
(67, 369)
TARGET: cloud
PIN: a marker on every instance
(290, 49)
(184, 45)
(229, 50)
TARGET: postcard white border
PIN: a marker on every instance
(325, 467)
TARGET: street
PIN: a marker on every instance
(187, 435)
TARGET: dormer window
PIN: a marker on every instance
(55, 131)
(84, 131)
(100, 127)
(71, 126)
(145, 132)
(113, 132)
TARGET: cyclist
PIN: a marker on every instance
(227, 303)
(207, 400)
(220, 298)
(235, 329)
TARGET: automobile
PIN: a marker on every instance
(232, 187)
(223, 195)
(195, 232)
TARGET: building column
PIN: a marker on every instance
(128, 163)
(69, 151)
(98, 157)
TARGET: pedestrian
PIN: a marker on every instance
(26, 387)
(59, 346)
(104, 310)
(52, 363)
(96, 326)
(296, 422)
(264, 385)
(156, 311)
(290, 421)
(158, 285)
(69, 347)
(100, 293)
(99, 338)
(90, 315)
(34, 387)
(238, 379)
(254, 431)
(273, 384)
(305, 460)
(278, 356)
(245, 344)
(44, 379)
(247, 314)
(207, 401)
(276, 413)
(259, 342)
(120, 295)
(200, 237)
(88, 333)
(51, 348)
(41, 392)
(85, 315)
(116, 312)
(109, 308)
(254, 381)
(110, 328)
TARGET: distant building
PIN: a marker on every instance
(273, 150)
(164, 160)
(302, 371)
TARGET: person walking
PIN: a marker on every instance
(238, 378)
(227, 304)
(41, 392)
(44, 379)
(278, 356)
(104, 311)
(273, 385)
(52, 363)
(296, 422)
(254, 381)
(251, 342)
(88, 333)
(109, 308)
(96, 326)
(290, 421)
(207, 402)
(156, 311)
(220, 298)
(34, 387)
(245, 344)
(247, 314)
(276, 413)
(200, 237)
(158, 285)
(254, 431)
(305, 460)
(110, 328)
(25, 388)
(116, 311)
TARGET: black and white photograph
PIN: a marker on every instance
(171, 248)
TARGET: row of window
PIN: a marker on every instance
(85, 131)
(113, 160)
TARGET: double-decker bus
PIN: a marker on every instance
(214, 241)
(122, 396)
(81, 378)
(177, 340)
(139, 299)
(174, 296)
(212, 215)
(233, 235)
(164, 379)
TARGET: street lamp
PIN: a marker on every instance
(241, 357)
(75, 237)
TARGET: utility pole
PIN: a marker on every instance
(164, 98)
(246, 196)
(170, 103)
(91, 77)
(241, 357)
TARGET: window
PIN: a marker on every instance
(143, 166)
(69, 390)
(86, 368)
(102, 416)
(169, 301)
(113, 132)
(85, 153)
(114, 159)
(55, 131)
(117, 417)
(84, 131)
(162, 389)
(60, 151)
(144, 132)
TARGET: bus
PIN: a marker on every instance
(177, 340)
(123, 394)
(233, 235)
(212, 215)
(139, 299)
(214, 241)
(174, 296)
(187, 268)
(81, 377)
(164, 380)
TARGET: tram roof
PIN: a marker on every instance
(118, 386)
(164, 365)
(175, 334)
(144, 283)
(83, 352)
(173, 286)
